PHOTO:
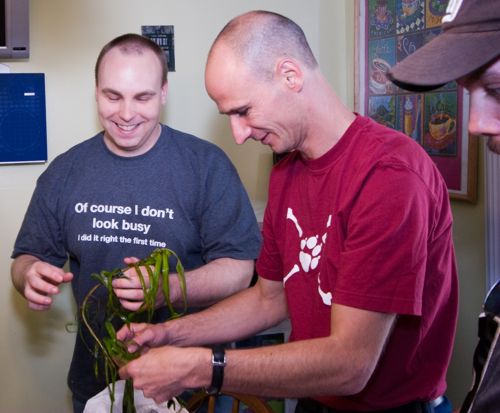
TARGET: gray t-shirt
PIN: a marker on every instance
(95, 208)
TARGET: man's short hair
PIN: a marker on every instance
(133, 43)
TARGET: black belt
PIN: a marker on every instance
(313, 406)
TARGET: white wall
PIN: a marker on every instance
(66, 36)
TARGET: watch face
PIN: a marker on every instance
(218, 356)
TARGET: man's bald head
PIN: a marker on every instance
(260, 38)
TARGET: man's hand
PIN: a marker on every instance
(142, 336)
(38, 281)
(128, 289)
(165, 372)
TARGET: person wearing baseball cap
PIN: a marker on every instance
(468, 50)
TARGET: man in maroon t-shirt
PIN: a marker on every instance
(357, 250)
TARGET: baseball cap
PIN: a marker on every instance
(470, 38)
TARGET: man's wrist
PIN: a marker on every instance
(219, 362)
(175, 292)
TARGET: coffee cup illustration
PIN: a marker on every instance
(378, 78)
(441, 125)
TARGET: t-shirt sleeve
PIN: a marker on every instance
(228, 225)
(383, 264)
(269, 265)
(40, 234)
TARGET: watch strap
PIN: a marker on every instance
(218, 363)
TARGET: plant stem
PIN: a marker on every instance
(128, 405)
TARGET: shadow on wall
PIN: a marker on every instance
(43, 329)
(252, 159)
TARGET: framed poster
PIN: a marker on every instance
(163, 36)
(386, 32)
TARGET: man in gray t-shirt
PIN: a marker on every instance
(132, 188)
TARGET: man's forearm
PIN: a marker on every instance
(213, 282)
(228, 320)
(340, 364)
(304, 368)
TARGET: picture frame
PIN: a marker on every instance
(386, 31)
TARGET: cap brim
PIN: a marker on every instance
(447, 57)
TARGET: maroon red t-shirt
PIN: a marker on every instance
(368, 225)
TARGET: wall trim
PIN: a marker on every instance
(492, 230)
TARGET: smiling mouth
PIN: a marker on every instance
(126, 128)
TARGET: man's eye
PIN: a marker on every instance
(493, 92)
(243, 112)
(113, 98)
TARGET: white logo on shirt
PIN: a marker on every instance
(310, 254)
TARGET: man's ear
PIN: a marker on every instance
(164, 90)
(290, 72)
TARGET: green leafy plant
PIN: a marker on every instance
(113, 352)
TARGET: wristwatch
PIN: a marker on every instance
(219, 361)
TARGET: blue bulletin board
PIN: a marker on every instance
(23, 129)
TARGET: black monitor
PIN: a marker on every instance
(14, 29)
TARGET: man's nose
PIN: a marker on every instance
(239, 127)
(484, 116)
(126, 110)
